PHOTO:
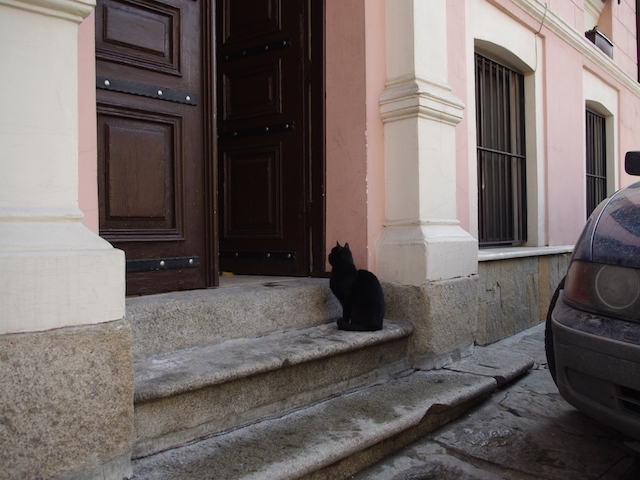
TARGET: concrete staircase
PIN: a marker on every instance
(256, 381)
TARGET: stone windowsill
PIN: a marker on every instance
(504, 253)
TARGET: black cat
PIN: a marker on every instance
(359, 292)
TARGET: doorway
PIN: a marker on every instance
(262, 124)
(207, 158)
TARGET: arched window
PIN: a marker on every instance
(596, 149)
(502, 200)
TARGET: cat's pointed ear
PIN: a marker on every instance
(337, 244)
(346, 245)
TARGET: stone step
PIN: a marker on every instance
(176, 320)
(338, 437)
(192, 392)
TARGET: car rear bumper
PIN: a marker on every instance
(598, 366)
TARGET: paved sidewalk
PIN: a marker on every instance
(525, 430)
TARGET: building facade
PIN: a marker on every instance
(457, 145)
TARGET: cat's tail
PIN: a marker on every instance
(356, 327)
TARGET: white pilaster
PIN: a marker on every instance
(55, 272)
(422, 239)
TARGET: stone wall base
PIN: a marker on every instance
(514, 294)
(450, 316)
(66, 409)
(443, 314)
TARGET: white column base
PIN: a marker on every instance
(57, 273)
(416, 254)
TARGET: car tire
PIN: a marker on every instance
(548, 333)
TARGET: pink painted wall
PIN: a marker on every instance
(623, 35)
(571, 11)
(458, 78)
(355, 75)
(563, 187)
(87, 136)
(564, 119)
(375, 84)
(346, 202)
(628, 133)
(563, 112)
(629, 129)
(618, 23)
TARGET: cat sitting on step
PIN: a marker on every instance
(359, 292)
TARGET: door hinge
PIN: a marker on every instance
(251, 132)
(257, 50)
(153, 264)
(245, 255)
(143, 90)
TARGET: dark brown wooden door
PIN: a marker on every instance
(263, 155)
(155, 167)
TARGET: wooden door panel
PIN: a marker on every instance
(263, 137)
(140, 169)
(251, 92)
(139, 188)
(152, 159)
(253, 209)
(140, 33)
(249, 19)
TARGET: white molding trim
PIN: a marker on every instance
(72, 10)
(594, 7)
(424, 222)
(40, 214)
(410, 97)
(505, 253)
(548, 18)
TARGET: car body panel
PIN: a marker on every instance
(596, 373)
(612, 233)
(597, 353)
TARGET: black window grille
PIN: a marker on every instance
(596, 160)
(502, 199)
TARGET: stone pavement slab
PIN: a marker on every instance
(523, 431)
(502, 365)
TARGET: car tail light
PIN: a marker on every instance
(606, 289)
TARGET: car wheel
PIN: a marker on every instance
(548, 333)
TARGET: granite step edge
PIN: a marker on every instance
(318, 436)
(341, 435)
(191, 368)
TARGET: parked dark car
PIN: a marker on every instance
(592, 335)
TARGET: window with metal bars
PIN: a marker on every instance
(596, 160)
(502, 199)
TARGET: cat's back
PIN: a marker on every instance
(366, 283)
(367, 276)
(368, 301)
